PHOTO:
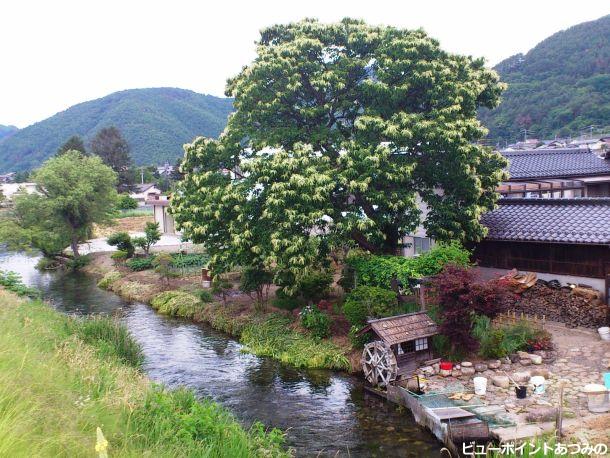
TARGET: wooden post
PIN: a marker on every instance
(559, 421)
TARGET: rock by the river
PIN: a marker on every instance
(480, 367)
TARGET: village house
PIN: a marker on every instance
(558, 239)
(10, 190)
(560, 172)
(7, 177)
(143, 191)
(165, 170)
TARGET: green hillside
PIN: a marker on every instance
(156, 123)
(560, 87)
(6, 131)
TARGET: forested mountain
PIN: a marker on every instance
(6, 131)
(156, 123)
(560, 87)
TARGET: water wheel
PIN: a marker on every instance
(379, 364)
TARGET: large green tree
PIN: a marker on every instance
(338, 129)
(74, 191)
(111, 146)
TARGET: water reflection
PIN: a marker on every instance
(322, 412)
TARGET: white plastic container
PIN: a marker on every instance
(539, 384)
(480, 385)
(604, 333)
(597, 397)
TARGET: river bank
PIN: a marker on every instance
(61, 378)
(266, 331)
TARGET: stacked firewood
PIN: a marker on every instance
(572, 306)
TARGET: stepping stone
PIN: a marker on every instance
(494, 364)
(521, 377)
(501, 380)
(467, 370)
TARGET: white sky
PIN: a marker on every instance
(57, 53)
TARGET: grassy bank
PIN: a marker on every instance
(61, 378)
(263, 334)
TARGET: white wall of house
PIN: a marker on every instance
(142, 196)
(10, 189)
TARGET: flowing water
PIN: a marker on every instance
(323, 412)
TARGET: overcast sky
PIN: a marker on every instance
(57, 53)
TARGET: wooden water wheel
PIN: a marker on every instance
(379, 364)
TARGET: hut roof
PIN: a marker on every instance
(402, 328)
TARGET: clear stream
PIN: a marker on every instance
(324, 413)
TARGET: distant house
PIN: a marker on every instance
(9, 190)
(143, 191)
(160, 206)
(165, 170)
(7, 177)
(559, 172)
(563, 239)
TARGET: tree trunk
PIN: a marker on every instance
(74, 246)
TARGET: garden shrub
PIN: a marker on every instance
(499, 340)
(356, 340)
(206, 296)
(284, 302)
(126, 202)
(139, 264)
(258, 280)
(11, 281)
(460, 298)
(374, 270)
(309, 288)
(176, 303)
(108, 279)
(316, 321)
(369, 302)
(119, 256)
(123, 242)
(180, 260)
(78, 263)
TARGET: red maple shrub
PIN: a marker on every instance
(460, 297)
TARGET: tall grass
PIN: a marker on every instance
(61, 379)
(273, 337)
(110, 338)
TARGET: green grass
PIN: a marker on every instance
(110, 338)
(261, 335)
(134, 213)
(61, 378)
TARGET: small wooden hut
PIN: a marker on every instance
(399, 345)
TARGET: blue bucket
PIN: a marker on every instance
(607, 380)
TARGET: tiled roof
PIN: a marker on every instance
(402, 328)
(580, 220)
(555, 163)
